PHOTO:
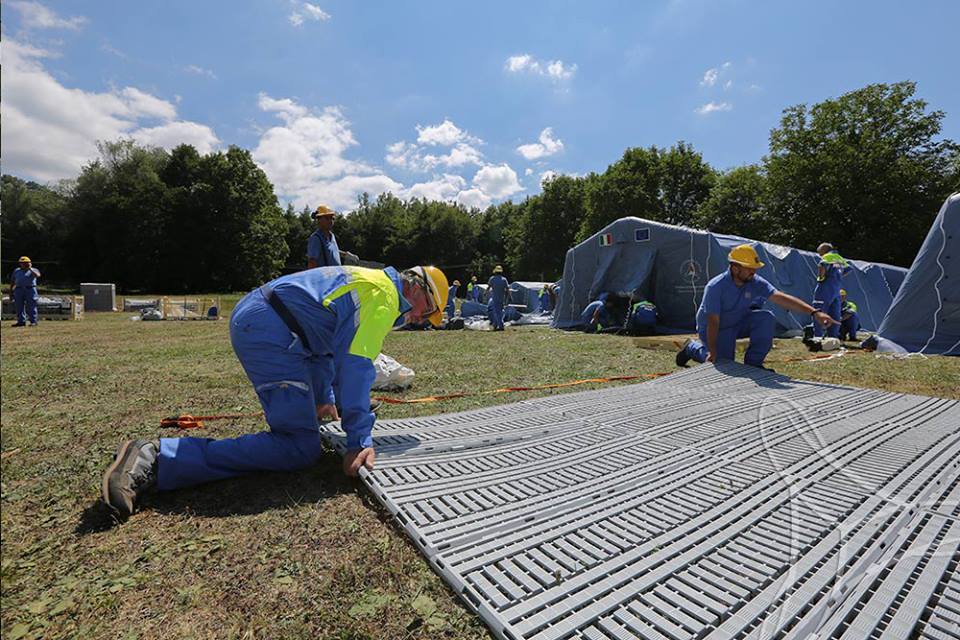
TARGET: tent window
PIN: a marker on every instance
(641, 235)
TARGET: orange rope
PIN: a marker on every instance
(187, 421)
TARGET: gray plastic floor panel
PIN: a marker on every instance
(717, 502)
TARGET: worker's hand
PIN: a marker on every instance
(356, 459)
(824, 319)
(327, 412)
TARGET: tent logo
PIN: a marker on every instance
(606, 239)
(691, 271)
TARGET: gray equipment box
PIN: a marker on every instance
(99, 296)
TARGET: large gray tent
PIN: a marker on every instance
(925, 314)
(670, 265)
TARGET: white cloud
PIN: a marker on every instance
(728, 85)
(287, 108)
(446, 187)
(200, 71)
(305, 157)
(37, 16)
(547, 146)
(553, 69)
(474, 198)
(445, 134)
(547, 175)
(712, 107)
(497, 181)
(307, 11)
(413, 157)
(712, 75)
(50, 131)
(171, 134)
(145, 105)
(528, 171)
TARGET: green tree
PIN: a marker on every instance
(32, 225)
(299, 227)
(547, 227)
(629, 187)
(737, 205)
(862, 171)
(685, 183)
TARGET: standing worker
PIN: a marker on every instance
(451, 297)
(826, 296)
(322, 249)
(498, 293)
(299, 338)
(732, 308)
(849, 319)
(473, 291)
(23, 283)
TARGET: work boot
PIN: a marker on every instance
(19, 324)
(682, 356)
(132, 472)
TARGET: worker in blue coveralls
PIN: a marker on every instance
(732, 308)
(322, 249)
(849, 319)
(302, 339)
(826, 296)
(642, 319)
(451, 297)
(598, 315)
(546, 306)
(498, 295)
(473, 291)
(23, 285)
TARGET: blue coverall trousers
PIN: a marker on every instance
(285, 376)
(757, 325)
(25, 304)
(495, 314)
(850, 327)
(832, 308)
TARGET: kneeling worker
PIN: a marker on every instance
(299, 339)
(732, 308)
(849, 320)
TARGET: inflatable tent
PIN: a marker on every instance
(670, 265)
(925, 314)
(526, 294)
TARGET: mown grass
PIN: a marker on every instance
(270, 555)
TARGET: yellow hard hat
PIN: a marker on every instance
(843, 292)
(745, 255)
(439, 288)
(324, 210)
(498, 269)
(25, 259)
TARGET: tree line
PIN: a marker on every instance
(865, 171)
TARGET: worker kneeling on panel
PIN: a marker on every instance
(304, 341)
(732, 308)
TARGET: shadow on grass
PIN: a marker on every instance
(245, 495)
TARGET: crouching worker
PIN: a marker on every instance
(732, 308)
(642, 320)
(598, 315)
(849, 320)
(303, 340)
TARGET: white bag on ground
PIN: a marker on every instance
(391, 375)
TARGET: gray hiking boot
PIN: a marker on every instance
(132, 472)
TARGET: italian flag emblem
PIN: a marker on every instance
(606, 239)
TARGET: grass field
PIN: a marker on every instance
(302, 555)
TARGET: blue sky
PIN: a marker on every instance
(471, 102)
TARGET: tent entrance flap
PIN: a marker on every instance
(625, 275)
